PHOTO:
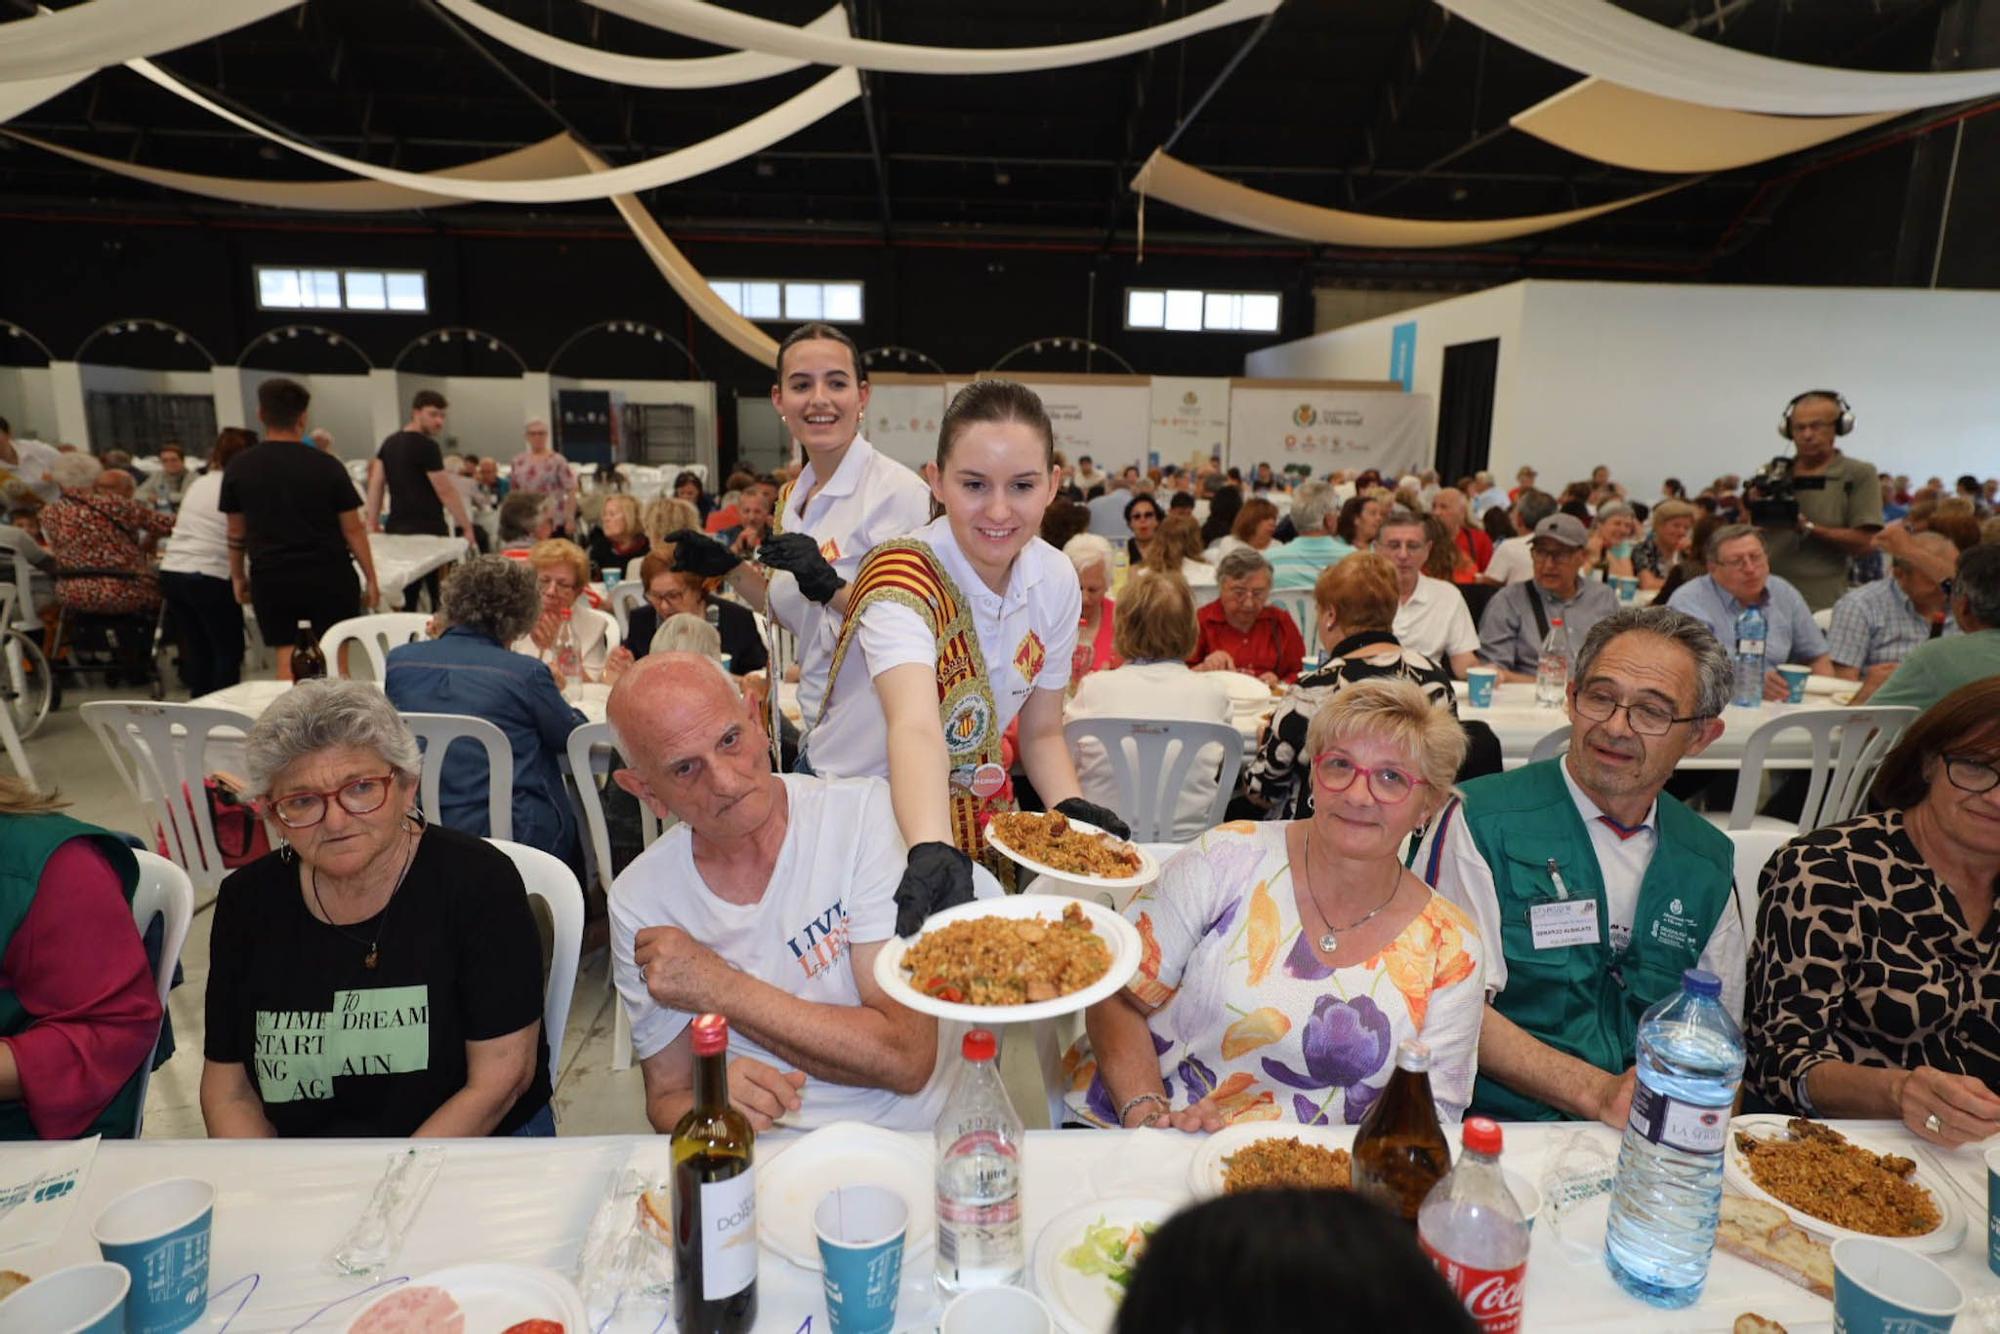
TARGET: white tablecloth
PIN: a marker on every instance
(403, 558)
(1519, 723)
(253, 697)
(282, 1205)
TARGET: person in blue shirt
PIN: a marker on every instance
(1739, 576)
(488, 604)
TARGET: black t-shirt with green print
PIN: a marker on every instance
(337, 1049)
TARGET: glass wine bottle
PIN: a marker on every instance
(714, 1198)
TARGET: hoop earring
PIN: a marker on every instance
(286, 853)
(415, 815)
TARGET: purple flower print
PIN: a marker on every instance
(1309, 1112)
(1198, 1078)
(1303, 964)
(1344, 1042)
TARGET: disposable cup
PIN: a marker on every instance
(159, 1234)
(1479, 683)
(1795, 682)
(996, 1311)
(861, 1231)
(1882, 1288)
(83, 1299)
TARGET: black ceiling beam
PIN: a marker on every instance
(1222, 77)
(868, 22)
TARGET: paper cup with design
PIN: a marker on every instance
(1993, 1210)
(1882, 1288)
(160, 1233)
(1479, 683)
(861, 1231)
(83, 1299)
(1627, 586)
(996, 1311)
(1796, 677)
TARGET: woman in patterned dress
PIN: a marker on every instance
(542, 471)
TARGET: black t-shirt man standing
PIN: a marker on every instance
(410, 467)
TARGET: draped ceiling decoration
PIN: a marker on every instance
(1645, 132)
(90, 36)
(21, 95)
(1167, 178)
(639, 71)
(728, 27)
(1598, 38)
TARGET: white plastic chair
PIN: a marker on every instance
(1754, 847)
(623, 597)
(590, 755)
(1298, 603)
(376, 634)
(164, 891)
(1823, 618)
(1841, 771)
(547, 878)
(1150, 759)
(435, 732)
(1554, 744)
(160, 752)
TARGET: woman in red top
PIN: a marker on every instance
(1240, 631)
(1091, 555)
(1473, 547)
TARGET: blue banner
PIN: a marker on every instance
(1403, 354)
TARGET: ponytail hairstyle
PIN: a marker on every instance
(814, 332)
(995, 401)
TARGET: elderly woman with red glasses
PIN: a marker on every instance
(1286, 960)
(376, 976)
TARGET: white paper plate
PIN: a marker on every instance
(1087, 1303)
(791, 1184)
(494, 1296)
(1206, 1172)
(1148, 871)
(1244, 689)
(1119, 934)
(1944, 1237)
(1827, 685)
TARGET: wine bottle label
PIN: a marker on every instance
(728, 1235)
(1678, 1125)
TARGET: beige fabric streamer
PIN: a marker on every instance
(1640, 131)
(1168, 178)
(87, 37)
(26, 94)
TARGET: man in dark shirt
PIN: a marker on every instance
(293, 513)
(410, 467)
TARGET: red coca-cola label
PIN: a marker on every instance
(1492, 1296)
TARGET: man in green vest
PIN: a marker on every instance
(1592, 887)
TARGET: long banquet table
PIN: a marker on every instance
(281, 1206)
(1519, 723)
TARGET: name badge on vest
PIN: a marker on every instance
(1558, 925)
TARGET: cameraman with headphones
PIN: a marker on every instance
(1819, 508)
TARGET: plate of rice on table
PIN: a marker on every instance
(1010, 960)
(1053, 844)
(1835, 1184)
(1269, 1155)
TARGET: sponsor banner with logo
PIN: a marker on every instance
(1295, 424)
(1105, 416)
(903, 414)
(1190, 419)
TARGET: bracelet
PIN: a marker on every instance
(1138, 1098)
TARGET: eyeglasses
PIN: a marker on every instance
(1553, 553)
(550, 583)
(1241, 594)
(1390, 785)
(1598, 704)
(357, 796)
(1970, 775)
(668, 598)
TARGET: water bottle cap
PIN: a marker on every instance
(978, 1045)
(1481, 1135)
(711, 1034)
(1701, 983)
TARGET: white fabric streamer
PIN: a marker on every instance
(25, 94)
(637, 71)
(727, 27)
(1596, 37)
(1600, 120)
(831, 93)
(90, 36)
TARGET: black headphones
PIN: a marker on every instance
(1841, 424)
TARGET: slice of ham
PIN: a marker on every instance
(412, 1310)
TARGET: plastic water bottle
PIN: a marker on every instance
(1552, 668)
(979, 1138)
(1668, 1191)
(1471, 1228)
(1750, 634)
(567, 660)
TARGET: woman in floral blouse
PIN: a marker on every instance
(91, 529)
(1283, 962)
(542, 471)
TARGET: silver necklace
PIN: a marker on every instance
(1329, 940)
(374, 955)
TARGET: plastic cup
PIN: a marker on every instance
(159, 1234)
(1882, 1288)
(1627, 586)
(861, 1231)
(1795, 682)
(1479, 683)
(996, 1311)
(1993, 1210)
(83, 1299)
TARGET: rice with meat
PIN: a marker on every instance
(1282, 1162)
(1817, 1171)
(1051, 840)
(1008, 960)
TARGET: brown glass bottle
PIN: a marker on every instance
(715, 1198)
(308, 662)
(1400, 1151)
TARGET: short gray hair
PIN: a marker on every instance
(1404, 518)
(1613, 509)
(1714, 673)
(1531, 507)
(520, 513)
(1312, 504)
(685, 632)
(1729, 532)
(74, 471)
(493, 595)
(1088, 549)
(1241, 563)
(1978, 582)
(328, 715)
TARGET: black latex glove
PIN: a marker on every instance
(798, 555)
(938, 876)
(698, 553)
(1076, 808)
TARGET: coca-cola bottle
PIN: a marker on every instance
(1473, 1232)
(1400, 1152)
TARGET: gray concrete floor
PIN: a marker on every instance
(591, 1098)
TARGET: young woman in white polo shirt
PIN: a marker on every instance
(848, 499)
(950, 635)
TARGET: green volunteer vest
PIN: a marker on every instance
(1587, 1000)
(29, 843)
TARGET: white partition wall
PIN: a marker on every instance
(28, 401)
(1108, 417)
(1328, 426)
(903, 415)
(343, 404)
(1190, 419)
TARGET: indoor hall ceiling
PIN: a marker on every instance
(1385, 106)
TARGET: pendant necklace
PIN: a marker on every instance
(1329, 940)
(374, 955)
